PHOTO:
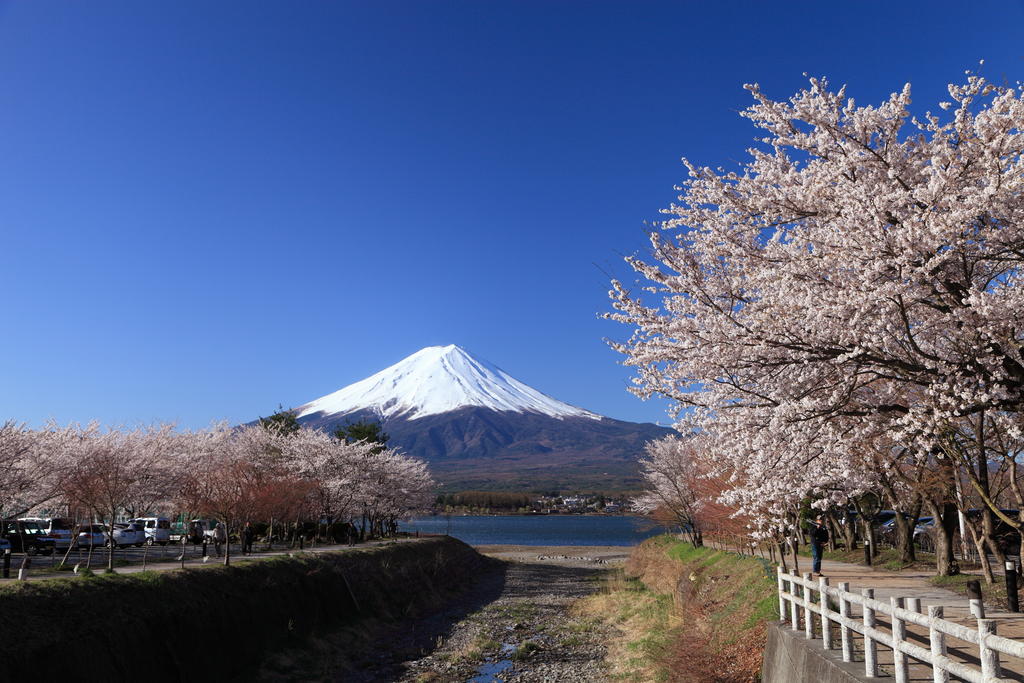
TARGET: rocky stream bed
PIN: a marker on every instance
(515, 625)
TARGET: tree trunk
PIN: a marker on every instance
(869, 540)
(945, 515)
(979, 544)
(988, 533)
(74, 542)
(905, 537)
(112, 543)
(227, 544)
(850, 532)
(782, 556)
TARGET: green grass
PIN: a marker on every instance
(993, 594)
(525, 649)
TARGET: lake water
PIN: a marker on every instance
(538, 529)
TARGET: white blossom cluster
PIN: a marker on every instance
(853, 290)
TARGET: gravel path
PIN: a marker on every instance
(523, 628)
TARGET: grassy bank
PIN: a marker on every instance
(686, 614)
(218, 623)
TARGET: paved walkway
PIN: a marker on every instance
(915, 584)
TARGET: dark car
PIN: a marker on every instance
(28, 537)
(1004, 534)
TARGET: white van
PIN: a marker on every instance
(57, 528)
(158, 529)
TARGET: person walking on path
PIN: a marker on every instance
(247, 536)
(219, 536)
(819, 537)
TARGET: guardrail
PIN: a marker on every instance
(796, 602)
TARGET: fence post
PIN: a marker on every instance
(899, 634)
(870, 646)
(937, 640)
(826, 632)
(914, 605)
(808, 613)
(1011, 586)
(782, 593)
(845, 635)
(794, 616)
(989, 657)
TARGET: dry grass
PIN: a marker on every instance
(686, 614)
(645, 624)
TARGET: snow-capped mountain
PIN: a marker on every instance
(480, 428)
(440, 379)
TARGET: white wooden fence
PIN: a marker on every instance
(797, 601)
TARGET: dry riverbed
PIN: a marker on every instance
(526, 630)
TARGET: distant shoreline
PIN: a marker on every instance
(531, 514)
(579, 555)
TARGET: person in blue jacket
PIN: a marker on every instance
(819, 537)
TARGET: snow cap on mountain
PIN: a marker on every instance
(439, 379)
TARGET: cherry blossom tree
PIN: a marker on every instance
(104, 472)
(858, 275)
(332, 467)
(19, 478)
(673, 483)
(229, 473)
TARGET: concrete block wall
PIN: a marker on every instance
(789, 657)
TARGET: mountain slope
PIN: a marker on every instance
(480, 428)
(436, 380)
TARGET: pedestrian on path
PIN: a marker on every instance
(819, 537)
(220, 537)
(247, 536)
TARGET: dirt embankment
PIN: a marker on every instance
(219, 623)
(687, 614)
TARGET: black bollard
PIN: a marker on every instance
(7, 563)
(974, 599)
(301, 539)
(204, 547)
(1011, 586)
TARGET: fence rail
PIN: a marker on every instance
(797, 603)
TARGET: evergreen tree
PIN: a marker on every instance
(363, 430)
(283, 421)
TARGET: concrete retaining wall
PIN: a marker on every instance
(789, 657)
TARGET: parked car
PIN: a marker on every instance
(887, 531)
(57, 528)
(131, 533)
(5, 545)
(1004, 534)
(158, 529)
(96, 535)
(201, 529)
(27, 537)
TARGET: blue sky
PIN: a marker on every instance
(208, 209)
